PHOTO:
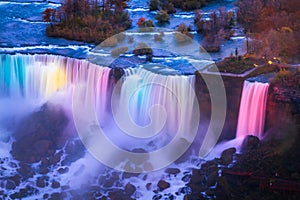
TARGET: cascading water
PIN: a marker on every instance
(252, 109)
(154, 107)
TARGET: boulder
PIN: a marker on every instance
(250, 143)
(162, 185)
(227, 156)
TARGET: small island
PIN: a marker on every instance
(87, 20)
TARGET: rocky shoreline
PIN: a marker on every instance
(43, 152)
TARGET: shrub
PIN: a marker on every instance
(162, 16)
(184, 35)
(283, 75)
(145, 25)
(153, 5)
(169, 8)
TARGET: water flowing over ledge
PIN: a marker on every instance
(252, 109)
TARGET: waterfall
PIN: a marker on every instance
(157, 103)
(252, 109)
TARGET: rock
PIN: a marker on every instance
(148, 186)
(25, 171)
(55, 196)
(16, 179)
(157, 197)
(162, 185)
(63, 170)
(108, 183)
(173, 171)
(186, 178)
(36, 134)
(250, 143)
(41, 147)
(43, 170)
(40, 182)
(129, 189)
(55, 184)
(10, 185)
(227, 156)
(116, 195)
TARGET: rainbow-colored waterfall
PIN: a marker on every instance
(156, 102)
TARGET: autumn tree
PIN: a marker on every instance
(275, 23)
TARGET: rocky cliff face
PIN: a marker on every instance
(233, 88)
(283, 107)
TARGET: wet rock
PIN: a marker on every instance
(40, 182)
(63, 170)
(162, 185)
(108, 183)
(35, 136)
(25, 170)
(148, 186)
(55, 184)
(74, 150)
(24, 192)
(55, 196)
(227, 156)
(129, 189)
(16, 179)
(250, 143)
(43, 170)
(186, 178)
(116, 195)
(173, 171)
(55, 158)
(157, 197)
(41, 147)
(10, 185)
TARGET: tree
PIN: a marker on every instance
(49, 15)
(249, 13)
(153, 5)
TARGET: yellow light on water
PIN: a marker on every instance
(270, 62)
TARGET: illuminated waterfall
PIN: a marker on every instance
(252, 109)
(42, 76)
(153, 97)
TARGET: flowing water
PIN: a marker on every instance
(252, 109)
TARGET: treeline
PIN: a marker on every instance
(273, 27)
(170, 5)
(87, 20)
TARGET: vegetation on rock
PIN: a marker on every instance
(183, 34)
(87, 20)
(237, 64)
(162, 17)
(170, 5)
(145, 25)
(215, 30)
